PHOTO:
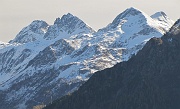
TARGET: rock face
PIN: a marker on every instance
(149, 80)
(49, 61)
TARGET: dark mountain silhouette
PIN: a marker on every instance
(149, 80)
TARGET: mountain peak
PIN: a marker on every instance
(64, 17)
(162, 19)
(125, 14)
(129, 15)
(161, 16)
(132, 11)
(128, 12)
(38, 24)
(57, 21)
(67, 24)
(69, 15)
(177, 23)
(175, 29)
(31, 32)
(69, 20)
(157, 15)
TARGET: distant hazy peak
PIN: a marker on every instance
(162, 19)
(158, 14)
(161, 16)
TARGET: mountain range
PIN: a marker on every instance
(149, 80)
(45, 62)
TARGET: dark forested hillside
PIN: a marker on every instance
(149, 80)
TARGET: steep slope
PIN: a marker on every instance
(149, 80)
(66, 55)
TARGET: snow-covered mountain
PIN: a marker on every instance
(48, 61)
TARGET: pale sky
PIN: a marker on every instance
(16, 14)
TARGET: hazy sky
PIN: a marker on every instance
(16, 14)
